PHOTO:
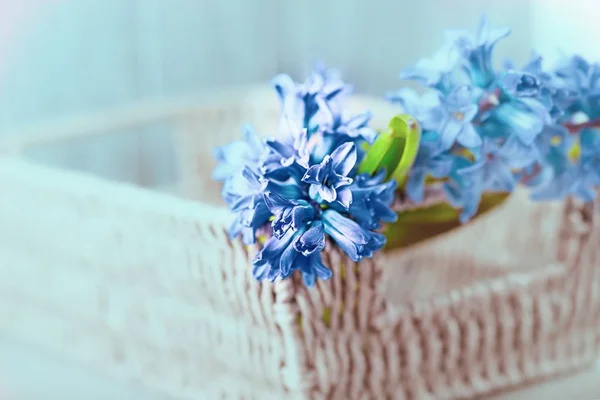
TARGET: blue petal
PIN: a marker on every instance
(287, 260)
(350, 229)
(275, 202)
(283, 85)
(344, 158)
(415, 186)
(326, 193)
(468, 136)
(344, 197)
(275, 247)
(285, 190)
(313, 240)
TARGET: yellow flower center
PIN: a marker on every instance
(574, 152)
(459, 115)
(555, 140)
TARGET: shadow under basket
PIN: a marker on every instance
(145, 285)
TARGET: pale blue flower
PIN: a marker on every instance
(477, 51)
(435, 72)
(232, 158)
(429, 162)
(525, 118)
(453, 119)
(463, 190)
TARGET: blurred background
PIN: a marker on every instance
(60, 59)
(65, 58)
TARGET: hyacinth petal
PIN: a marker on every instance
(287, 259)
(222, 171)
(302, 214)
(344, 158)
(415, 186)
(470, 112)
(449, 132)
(344, 197)
(346, 226)
(320, 269)
(275, 202)
(347, 246)
(312, 175)
(327, 194)
(274, 246)
(468, 137)
(312, 240)
(260, 270)
(284, 190)
(283, 85)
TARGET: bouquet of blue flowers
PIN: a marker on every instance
(477, 132)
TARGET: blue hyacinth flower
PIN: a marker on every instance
(356, 241)
(299, 250)
(306, 101)
(288, 213)
(371, 200)
(329, 179)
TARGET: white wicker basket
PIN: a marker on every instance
(145, 285)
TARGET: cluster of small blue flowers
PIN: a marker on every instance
(487, 130)
(294, 192)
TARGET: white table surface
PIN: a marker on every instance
(26, 374)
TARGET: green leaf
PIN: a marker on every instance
(373, 158)
(406, 127)
(420, 224)
(394, 150)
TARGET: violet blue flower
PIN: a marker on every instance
(279, 258)
(371, 199)
(302, 102)
(354, 240)
(289, 213)
(329, 179)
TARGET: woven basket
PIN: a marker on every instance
(145, 285)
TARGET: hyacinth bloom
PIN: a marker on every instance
(520, 125)
(302, 189)
(481, 130)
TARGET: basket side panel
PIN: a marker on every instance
(132, 281)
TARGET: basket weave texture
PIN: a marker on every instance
(147, 286)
